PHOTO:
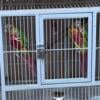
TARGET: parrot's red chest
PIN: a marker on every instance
(16, 42)
(78, 38)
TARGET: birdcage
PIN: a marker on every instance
(49, 50)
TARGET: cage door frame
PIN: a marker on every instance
(62, 16)
(5, 87)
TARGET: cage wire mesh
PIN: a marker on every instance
(66, 44)
(19, 42)
(98, 48)
(65, 47)
(18, 54)
(16, 60)
(39, 4)
(79, 93)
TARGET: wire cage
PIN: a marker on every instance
(43, 4)
(16, 52)
(21, 52)
(50, 55)
(48, 94)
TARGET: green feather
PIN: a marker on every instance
(23, 38)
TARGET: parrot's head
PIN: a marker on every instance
(78, 24)
(9, 28)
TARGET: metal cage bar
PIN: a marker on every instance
(19, 50)
(68, 35)
(80, 93)
(97, 74)
(40, 4)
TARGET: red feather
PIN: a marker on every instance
(77, 37)
(16, 43)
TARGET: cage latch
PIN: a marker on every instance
(40, 51)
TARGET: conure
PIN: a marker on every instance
(19, 42)
(78, 35)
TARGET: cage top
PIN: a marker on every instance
(43, 4)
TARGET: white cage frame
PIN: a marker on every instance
(62, 16)
(37, 13)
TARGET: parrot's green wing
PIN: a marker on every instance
(24, 39)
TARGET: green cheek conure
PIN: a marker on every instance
(79, 37)
(19, 42)
(17, 38)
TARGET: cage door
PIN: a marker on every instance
(19, 49)
(67, 42)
